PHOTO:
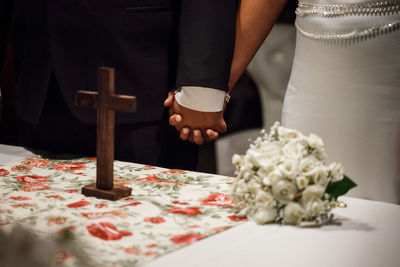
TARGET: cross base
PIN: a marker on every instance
(116, 193)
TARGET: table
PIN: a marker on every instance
(368, 236)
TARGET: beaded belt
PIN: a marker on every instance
(372, 8)
(340, 10)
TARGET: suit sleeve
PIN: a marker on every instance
(5, 17)
(206, 42)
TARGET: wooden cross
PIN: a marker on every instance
(106, 102)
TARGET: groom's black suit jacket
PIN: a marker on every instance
(154, 45)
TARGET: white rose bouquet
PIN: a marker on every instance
(284, 178)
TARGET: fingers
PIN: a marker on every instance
(175, 119)
(211, 134)
(198, 137)
(185, 133)
(170, 99)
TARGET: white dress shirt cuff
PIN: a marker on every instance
(200, 98)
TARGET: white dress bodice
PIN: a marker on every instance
(345, 87)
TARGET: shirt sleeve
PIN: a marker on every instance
(206, 40)
(201, 98)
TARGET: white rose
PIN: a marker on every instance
(313, 192)
(293, 150)
(254, 187)
(252, 155)
(283, 191)
(293, 213)
(264, 172)
(286, 134)
(336, 171)
(264, 214)
(289, 168)
(246, 167)
(301, 182)
(265, 154)
(247, 175)
(236, 159)
(314, 207)
(320, 175)
(308, 165)
(256, 158)
(241, 188)
(263, 197)
(314, 141)
(273, 177)
(270, 153)
(257, 142)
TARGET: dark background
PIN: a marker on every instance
(245, 98)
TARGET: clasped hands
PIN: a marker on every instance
(194, 126)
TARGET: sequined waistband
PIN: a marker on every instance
(359, 34)
(334, 10)
(354, 20)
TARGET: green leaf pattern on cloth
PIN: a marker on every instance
(168, 209)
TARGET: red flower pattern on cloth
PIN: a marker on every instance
(179, 203)
(149, 253)
(32, 179)
(54, 196)
(63, 256)
(23, 205)
(132, 250)
(109, 214)
(155, 220)
(20, 198)
(186, 239)
(106, 231)
(72, 191)
(34, 187)
(190, 211)
(152, 178)
(173, 171)
(217, 230)
(236, 218)
(78, 204)
(21, 168)
(35, 162)
(218, 199)
(131, 204)
(120, 181)
(4, 172)
(155, 180)
(71, 166)
(87, 216)
(150, 167)
(56, 220)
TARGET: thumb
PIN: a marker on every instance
(222, 127)
(170, 99)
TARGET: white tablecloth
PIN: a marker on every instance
(368, 236)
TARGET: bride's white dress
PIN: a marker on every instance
(345, 87)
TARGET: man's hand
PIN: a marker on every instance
(194, 126)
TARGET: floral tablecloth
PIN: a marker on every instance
(168, 209)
